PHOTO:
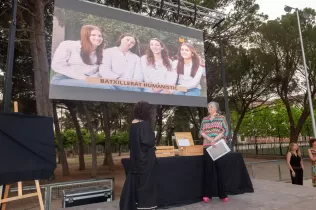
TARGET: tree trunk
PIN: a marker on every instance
(82, 165)
(256, 143)
(153, 117)
(62, 153)
(280, 145)
(93, 140)
(108, 159)
(40, 61)
(119, 148)
(58, 158)
(236, 130)
(159, 124)
(293, 135)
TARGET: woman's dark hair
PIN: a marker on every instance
(195, 60)
(142, 111)
(311, 142)
(164, 54)
(135, 48)
(86, 46)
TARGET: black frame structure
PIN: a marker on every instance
(177, 8)
(195, 14)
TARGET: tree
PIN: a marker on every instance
(60, 144)
(120, 138)
(249, 80)
(108, 159)
(72, 109)
(93, 139)
(280, 39)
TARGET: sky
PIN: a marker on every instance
(275, 8)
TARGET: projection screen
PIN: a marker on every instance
(100, 53)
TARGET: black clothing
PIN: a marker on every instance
(295, 162)
(208, 180)
(140, 191)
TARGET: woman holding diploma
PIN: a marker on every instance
(139, 191)
(213, 128)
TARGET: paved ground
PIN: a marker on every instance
(268, 195)
(263, 171)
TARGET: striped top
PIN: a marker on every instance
(214, 127)
(117, 65)
(67, 61)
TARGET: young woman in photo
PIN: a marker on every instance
(189, 70)
(122, 62)
(157, 66)
(74, 61)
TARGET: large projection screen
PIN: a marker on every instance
(100, 53)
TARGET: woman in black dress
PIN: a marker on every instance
(139, 191)
(295, 163)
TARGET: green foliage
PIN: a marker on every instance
(69, 138)
(120, 138)
(100, 138)
(271, 120)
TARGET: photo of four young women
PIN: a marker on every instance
(74, 61)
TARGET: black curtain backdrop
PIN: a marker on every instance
(27, 149)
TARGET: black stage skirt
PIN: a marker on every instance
(139, 191)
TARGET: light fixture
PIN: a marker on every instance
(288, 8)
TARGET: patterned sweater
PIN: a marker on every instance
(214, 127)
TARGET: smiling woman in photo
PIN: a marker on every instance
(122, 62)
(157, 66)
(74, 61)
(189, 69)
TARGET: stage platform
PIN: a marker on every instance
(268, 195)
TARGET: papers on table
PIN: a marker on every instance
(183, 142)
(219, 150)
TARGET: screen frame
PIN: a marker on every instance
(93, 94)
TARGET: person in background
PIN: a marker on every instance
(312, 156)
(122, 62)
(139, 190)
(189, 69)
(213, 128)
(295, 164)
(74, 61)
(156, 66)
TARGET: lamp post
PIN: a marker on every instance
(289, 9)
(227, 110)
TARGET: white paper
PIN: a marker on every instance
(184, 142)
(219, 150)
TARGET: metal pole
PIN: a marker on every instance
(231, 145)
(306, 75)
(10, 58)
(9, 65)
